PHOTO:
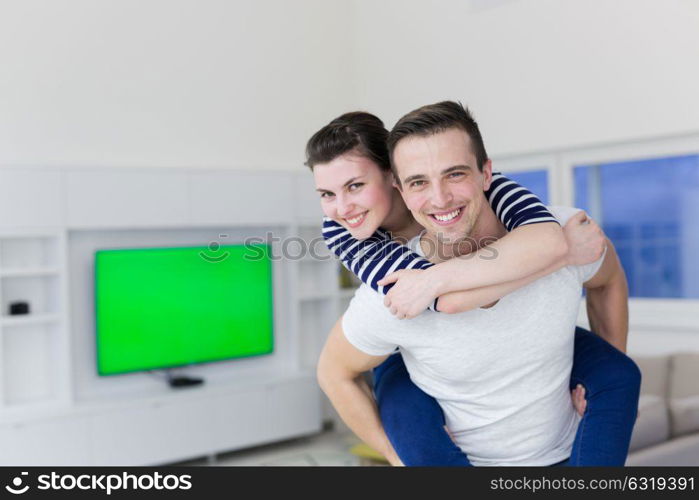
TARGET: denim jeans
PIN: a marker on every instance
(414, 422)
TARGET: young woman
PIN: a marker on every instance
(365, 214)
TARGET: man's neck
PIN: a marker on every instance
(487, 229)
(400, 222)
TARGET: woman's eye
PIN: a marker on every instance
(355, 186)
(326, 195)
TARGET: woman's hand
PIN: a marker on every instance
(577, 395)
(413, 292)
(586, 241)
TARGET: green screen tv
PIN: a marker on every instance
(159, 308)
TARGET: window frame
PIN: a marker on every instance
(645, 314)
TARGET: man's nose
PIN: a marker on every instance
(441, 196)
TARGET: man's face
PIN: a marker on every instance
(441, 183)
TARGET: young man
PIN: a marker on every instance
(500, 374)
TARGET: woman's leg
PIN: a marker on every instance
(413, 421)
(612, 383)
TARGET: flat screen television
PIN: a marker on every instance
(160, 308)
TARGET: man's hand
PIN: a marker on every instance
(412, 293)
(578, 397)
(586, 241)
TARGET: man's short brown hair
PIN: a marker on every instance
(433, 119)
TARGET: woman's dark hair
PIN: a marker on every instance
(358, 132)
(436, 118)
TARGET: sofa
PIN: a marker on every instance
(666, 432)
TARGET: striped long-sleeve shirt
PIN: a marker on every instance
(378, 256)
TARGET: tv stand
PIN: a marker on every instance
(180, 381)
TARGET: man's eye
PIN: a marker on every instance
(326, 194)
(416, 184)
(355, 186)
(455, 175)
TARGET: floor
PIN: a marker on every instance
(329, 448)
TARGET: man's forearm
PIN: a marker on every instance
(357, 408)
(608, 311)
(339, 373)
(457, 302)
(521, 253)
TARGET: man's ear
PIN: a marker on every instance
(396, 183)
(487, 174)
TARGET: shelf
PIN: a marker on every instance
(29, 272)
(253, 380)
(29, 320)
(30, 234)
(33, 410)
(28, 253)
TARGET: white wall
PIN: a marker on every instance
(538, 74)
(169, 82)
(244, 83)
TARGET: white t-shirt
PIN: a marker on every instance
(500, 374)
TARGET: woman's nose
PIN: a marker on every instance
(344, 205)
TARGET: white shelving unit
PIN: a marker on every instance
(35, 271)
(320, 299)
(315, 291)
(55, 410)
(34, 347)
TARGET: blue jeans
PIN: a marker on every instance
(414, 422)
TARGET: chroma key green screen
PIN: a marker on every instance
(165, 307)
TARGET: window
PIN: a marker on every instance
(649, 209)
(535, 180)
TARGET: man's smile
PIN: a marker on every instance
(447, 218)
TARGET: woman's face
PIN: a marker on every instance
(354, 192)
